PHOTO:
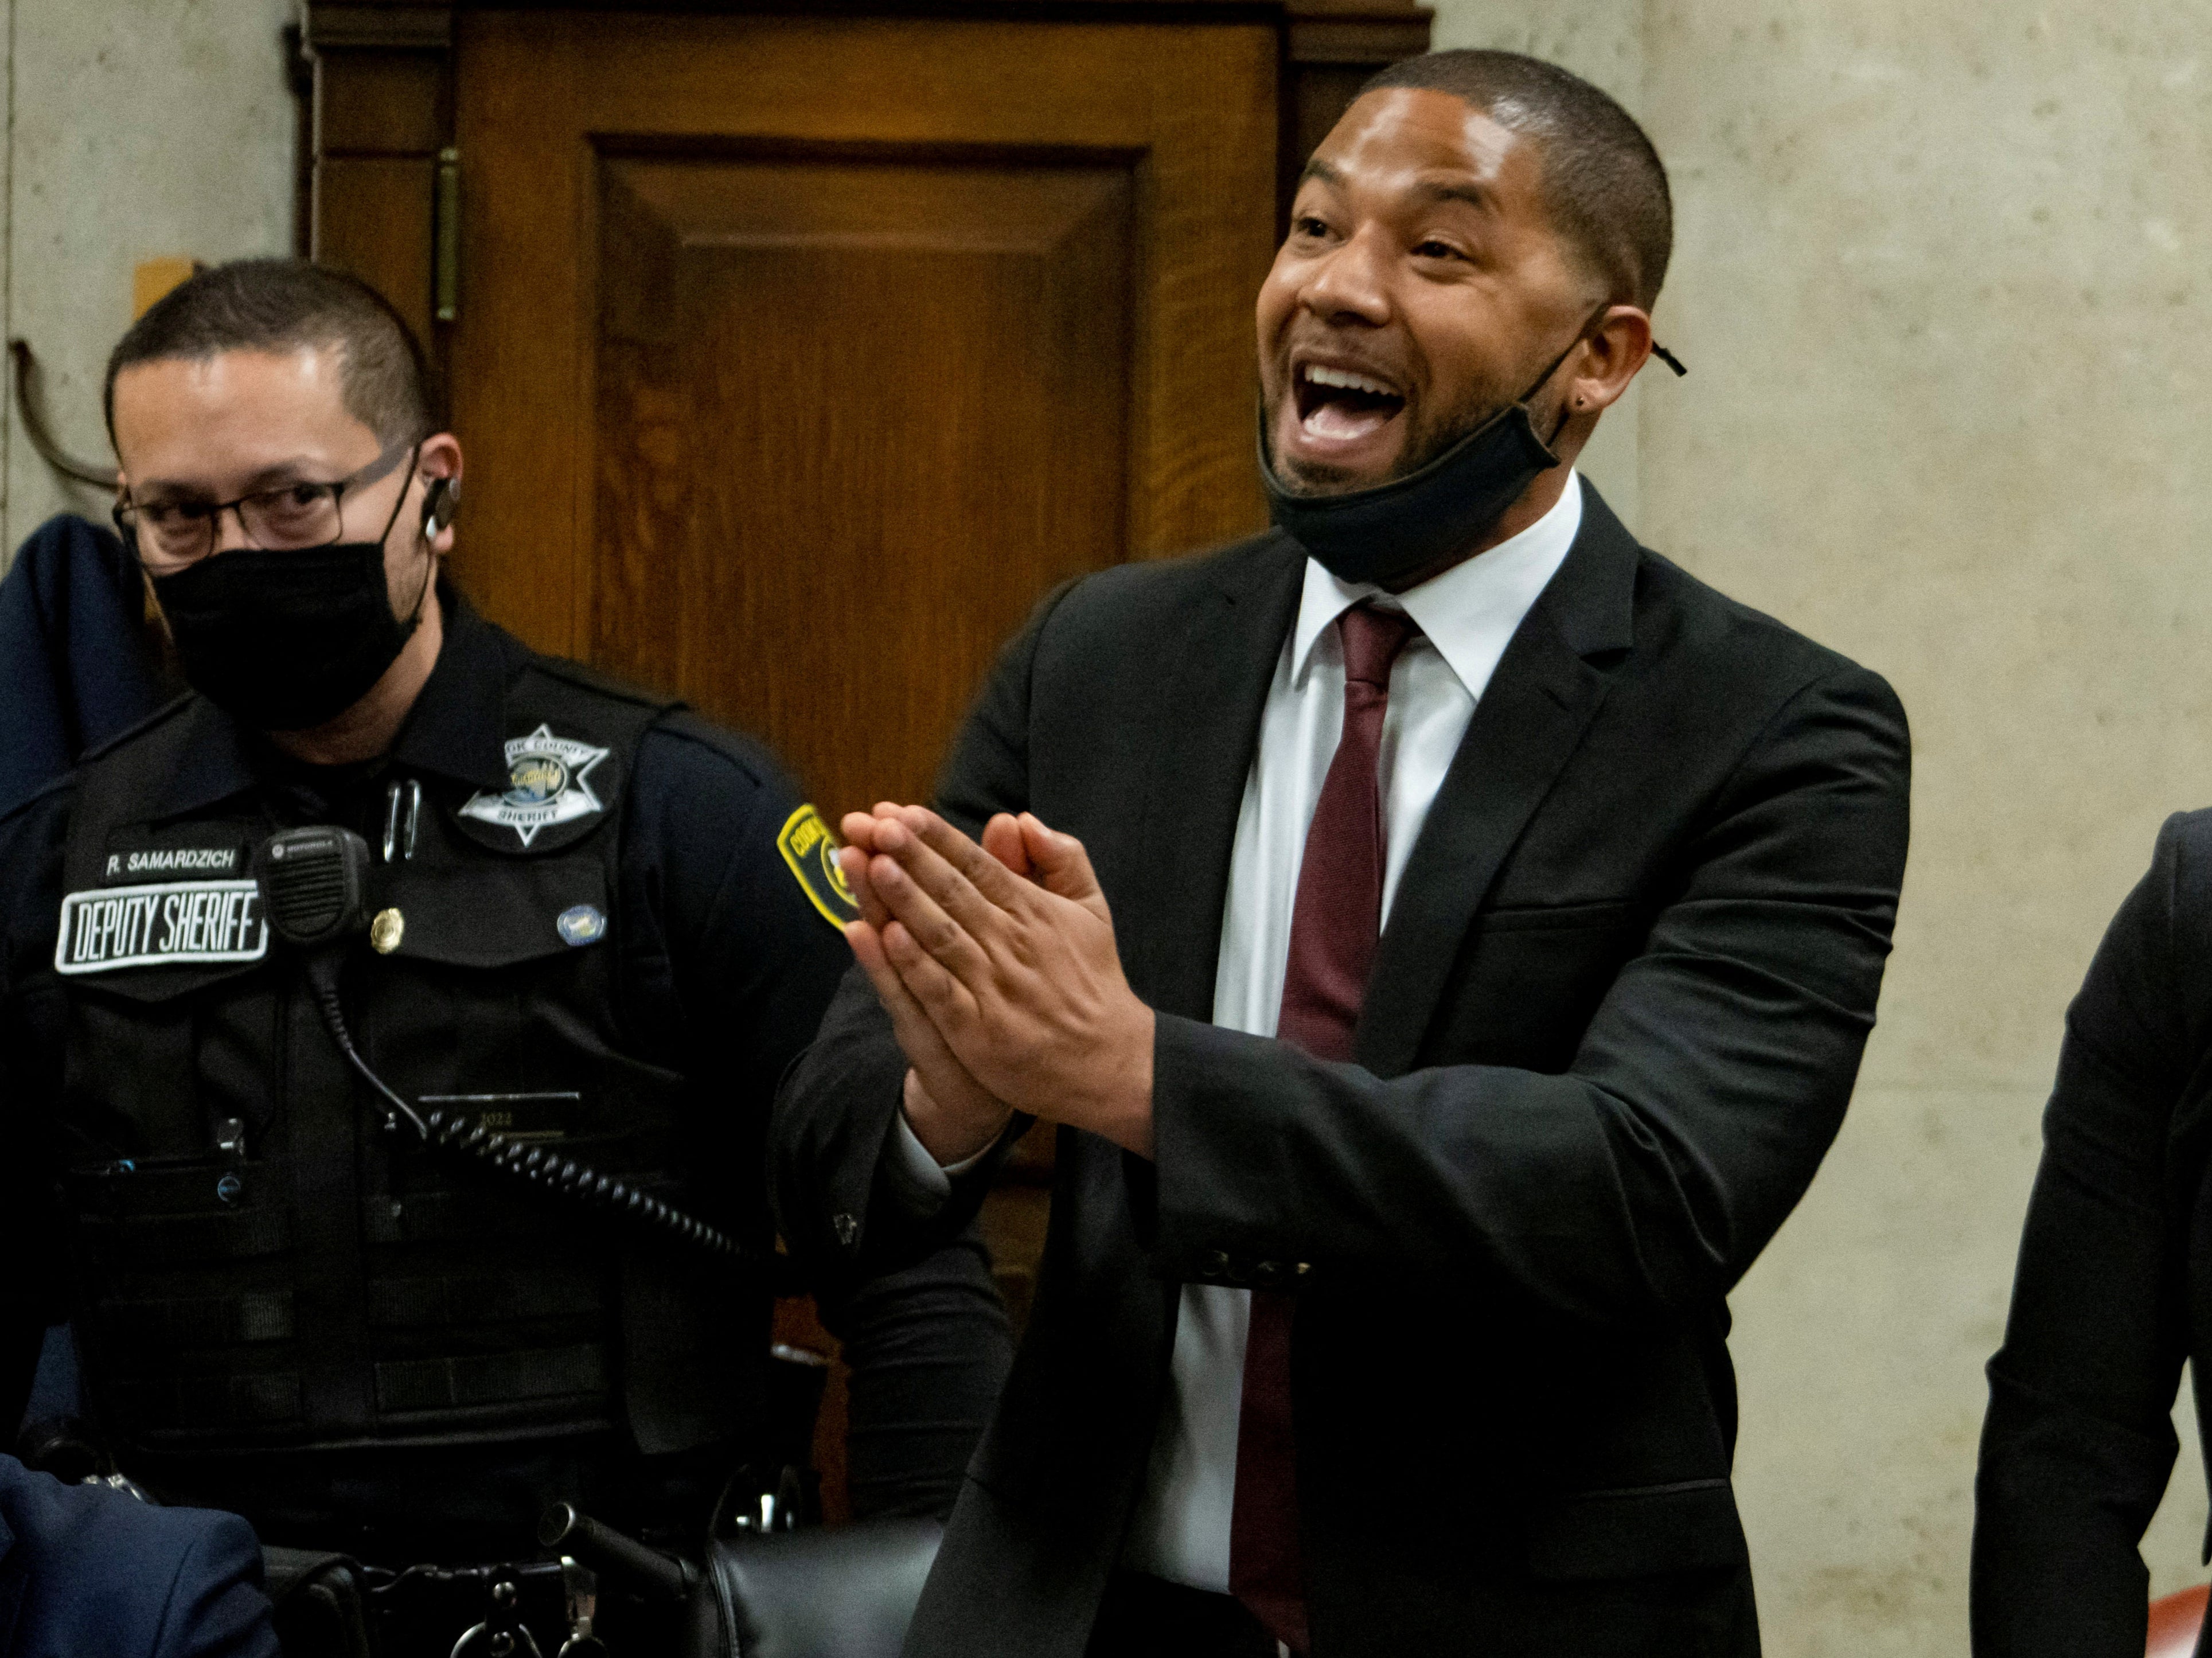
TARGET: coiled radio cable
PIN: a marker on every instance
(314, 882)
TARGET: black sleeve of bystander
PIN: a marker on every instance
(754, 954)
(33, 1280)
(2079, 1440)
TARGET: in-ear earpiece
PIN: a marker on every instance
(439, 503)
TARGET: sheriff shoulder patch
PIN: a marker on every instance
(155, 926)
(549, 783)
(810, 849)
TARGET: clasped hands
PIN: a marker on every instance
(998, 967)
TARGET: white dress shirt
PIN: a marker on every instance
(1467, 616)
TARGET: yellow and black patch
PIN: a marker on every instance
(810, 849)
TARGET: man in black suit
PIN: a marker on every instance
(1443, 934)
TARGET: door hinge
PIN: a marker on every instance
(446, 246)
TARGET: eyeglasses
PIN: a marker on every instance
(180, 533)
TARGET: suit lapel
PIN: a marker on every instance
(1543, 698)
(1196, 770)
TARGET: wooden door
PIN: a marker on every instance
(798, 357)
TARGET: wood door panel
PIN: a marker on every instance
(1009, 257)
(375, 224)
(798, 356)
(546, 101)
(384, 103)
(853, 416)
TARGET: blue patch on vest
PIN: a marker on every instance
(581, 924)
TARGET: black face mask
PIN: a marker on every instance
(1381, 535)
(286, 639)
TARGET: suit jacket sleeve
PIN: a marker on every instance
(1638, 1185)
(216, 1608)
(837, 1202)
(2079, 1439)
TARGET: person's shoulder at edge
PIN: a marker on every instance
(39, 818)
(1681, 614)
(685, 745)
(681, 749)
(717, 812)
(34, 834)
(1676, 608)
(55, 798)
(2183, 850)
(1782, 689)
(2158, 949)
(468, 628)
(40, 822)
(101, 1566)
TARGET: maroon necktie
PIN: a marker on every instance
(1335, 926)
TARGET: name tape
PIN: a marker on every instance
(164, 860)
(177, 922)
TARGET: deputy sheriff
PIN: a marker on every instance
(601, 927)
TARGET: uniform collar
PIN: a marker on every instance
(1469, 613)
(456, 729)
(457, 726)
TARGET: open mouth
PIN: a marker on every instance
(1340, 404)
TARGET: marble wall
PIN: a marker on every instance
(1940, 277)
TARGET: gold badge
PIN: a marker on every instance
(810, 849)
(385, 932)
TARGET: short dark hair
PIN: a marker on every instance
(1604, 184)
(282, 305)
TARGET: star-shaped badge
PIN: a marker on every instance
(548, 783)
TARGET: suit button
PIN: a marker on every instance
(1217, 1265)
(1238, 1272)
(1268, 1274)
(845, 1227)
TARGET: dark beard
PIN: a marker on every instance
(1433, 440)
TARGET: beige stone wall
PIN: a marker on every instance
(135, 129)
(1939, 279)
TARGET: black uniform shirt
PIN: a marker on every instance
(727, 963)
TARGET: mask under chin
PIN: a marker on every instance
(1386, 532)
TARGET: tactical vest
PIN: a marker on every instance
(264, 1263)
